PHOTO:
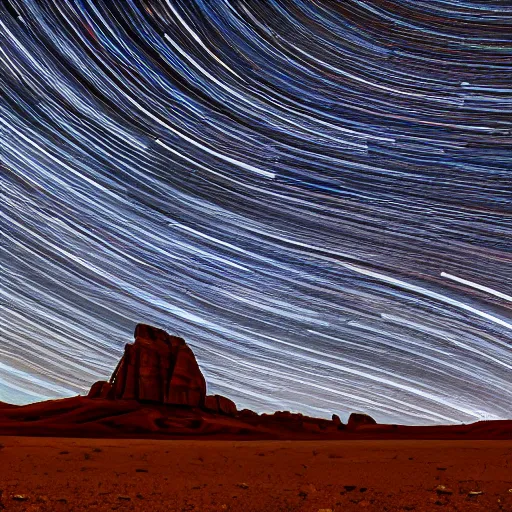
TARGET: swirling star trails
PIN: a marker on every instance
(316, 195)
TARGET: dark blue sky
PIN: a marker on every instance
(315, 195)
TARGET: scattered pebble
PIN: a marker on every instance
(63, 453)
(441, 469)
(243, 486)
(140, 496)
(97, 450)
(363, 489)
(349, 488)
(62, 500)
(20, 497)
(125, 498)
(141, 470)
(442, 489)
(475, 493)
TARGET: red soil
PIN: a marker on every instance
(60, 475)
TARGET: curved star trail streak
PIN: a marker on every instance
(315, 194)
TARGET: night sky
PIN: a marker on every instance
(315, 194)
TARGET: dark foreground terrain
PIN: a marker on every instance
(56, 474)
(83, 417)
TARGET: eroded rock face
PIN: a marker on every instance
(337, 422)
(159, 368)
(220, 404)
(357, 419)
(210, 403)
(247, 413)
(100, 389)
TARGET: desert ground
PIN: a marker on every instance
(66, 474)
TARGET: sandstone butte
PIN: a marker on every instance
(160, 368)
(158, 390)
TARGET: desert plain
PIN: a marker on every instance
(46, 474)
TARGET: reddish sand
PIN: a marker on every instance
(56, 474)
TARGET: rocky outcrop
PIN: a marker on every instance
(247, 413)
(162, 369)
(100, 389)
(158, 368)
(337, 422)
(310, 426)
(358, 419)
(220, 404)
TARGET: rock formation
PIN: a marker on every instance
(357, 419)
(220, 404)
(158, 390)
(337, 421)
(100, 389)
(157, 368)
(162, 369)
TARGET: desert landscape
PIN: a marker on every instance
(151, 439)
(304, 210)
(61, 474)
(158, 391)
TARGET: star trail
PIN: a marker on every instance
(315, 194)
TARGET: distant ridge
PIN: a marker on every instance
(157, 390)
